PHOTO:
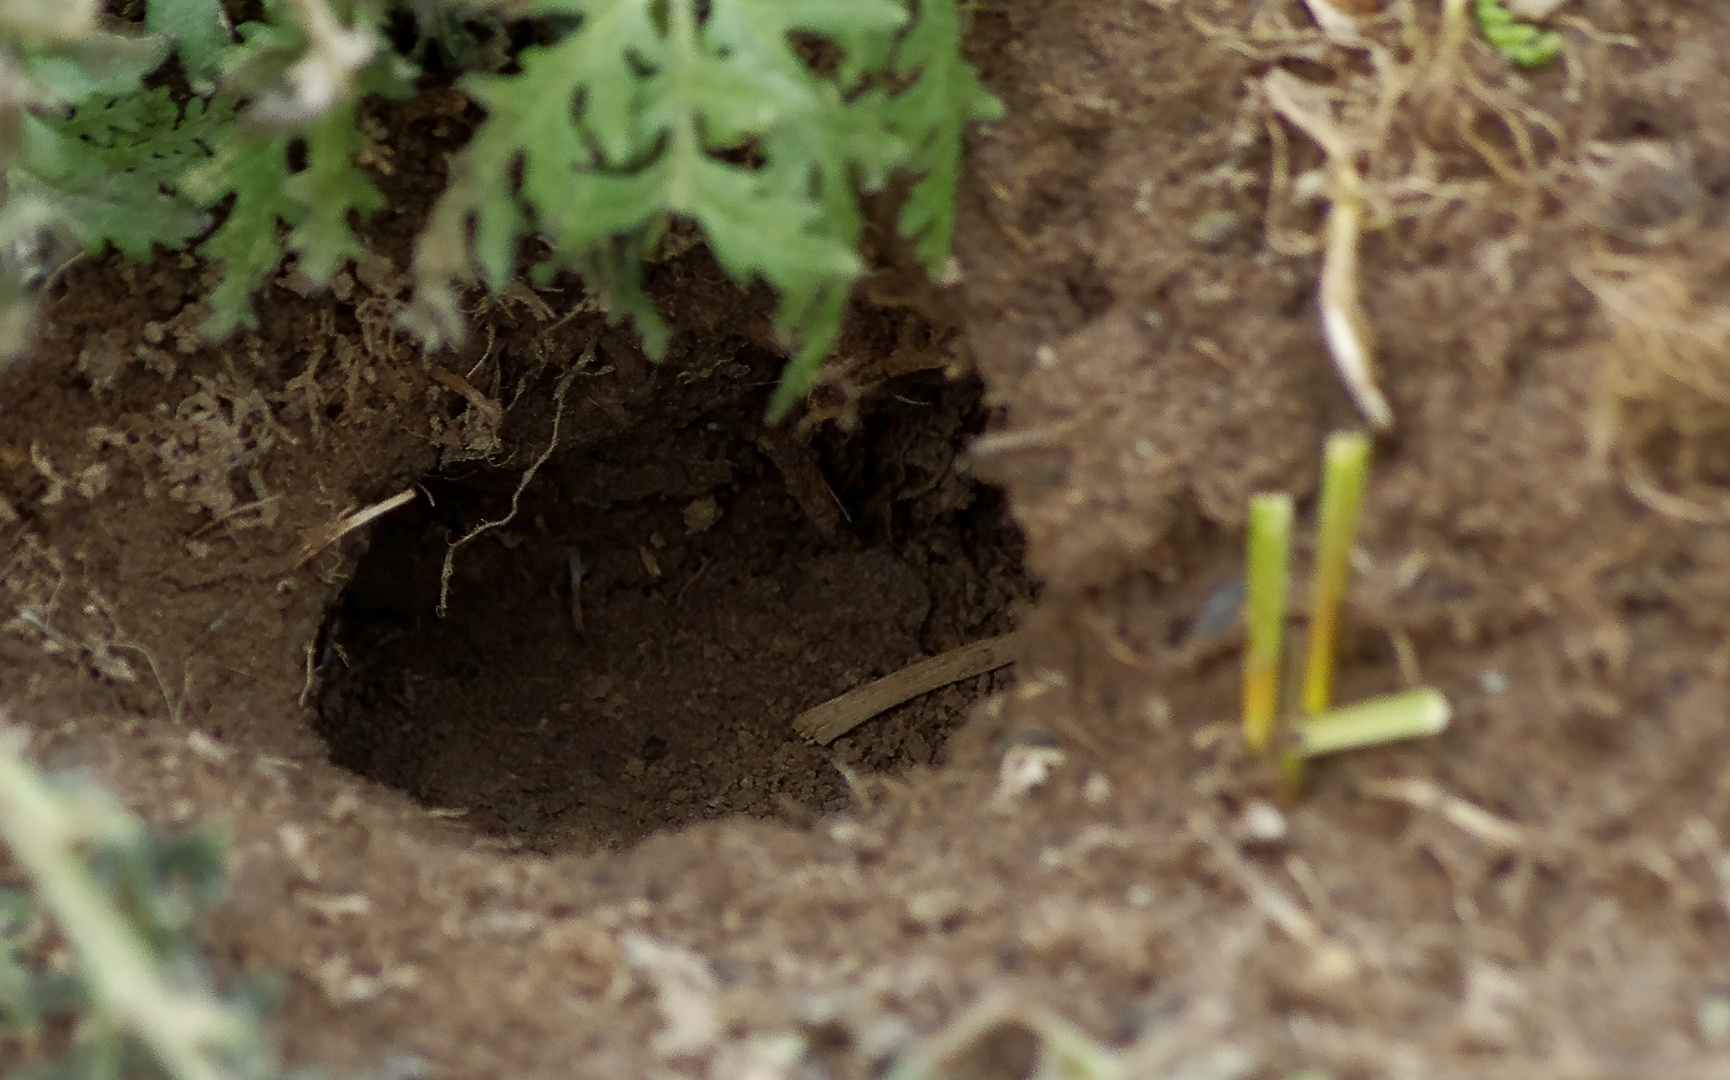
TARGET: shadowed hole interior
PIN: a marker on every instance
(729, 578)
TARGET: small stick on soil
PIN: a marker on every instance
(329, 535)
(1333, 959)
(835, 718)
(1466, 816)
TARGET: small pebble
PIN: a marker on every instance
(1219, 612)
(1713, 1020)
(1261, 823)
(701, 514)
(1023, 768)
(935, 908)
(1096, 789)
(1216, 228)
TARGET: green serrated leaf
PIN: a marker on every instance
(266, 49)
(200, 32)
(616, 272)
(314, 204)
(103, 63)
(832, 153)
(247, 243)
(712, 112)
(752, 231)
(104, 171)
(147, 134)
(329, 189)
(823, 326)
(931, 115)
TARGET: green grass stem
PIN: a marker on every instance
(1345, 471)
(1266, 578)
(1408, 715)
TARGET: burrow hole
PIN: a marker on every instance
(729, 581)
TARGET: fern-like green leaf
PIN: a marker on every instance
(647, 109)
(931, 114)
(199, 30)
(247, 244)
(329, 189)
(761, 121)
(251, 172)
(111, 167)
(147, 134)
(314, 204)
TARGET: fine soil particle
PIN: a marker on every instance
(582, 841)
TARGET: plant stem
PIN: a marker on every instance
(1266, 576)
(1407, 715)
(1344, 473)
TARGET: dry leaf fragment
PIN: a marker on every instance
(1345, 328)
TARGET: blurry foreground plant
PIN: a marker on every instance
(124, 900)
(1520, 42)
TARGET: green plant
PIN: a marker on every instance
(761, 122)
(1266, 582)
(103, 158)
(125, 900)
(1321, 729)
(1520, 42)
(1410, 714)
(1345, 470)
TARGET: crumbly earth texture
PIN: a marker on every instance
(548, 834)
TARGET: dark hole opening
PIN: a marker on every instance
(730, 578)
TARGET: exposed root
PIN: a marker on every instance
(559, 393)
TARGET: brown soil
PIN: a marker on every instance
(712, 607)
(600, 851)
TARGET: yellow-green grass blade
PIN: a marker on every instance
(1345, 472)
(1408, 715)
(1266, 576)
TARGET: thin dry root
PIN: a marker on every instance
(559, 392)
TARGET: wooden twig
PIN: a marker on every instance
(834, 718)
(1468, 817)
